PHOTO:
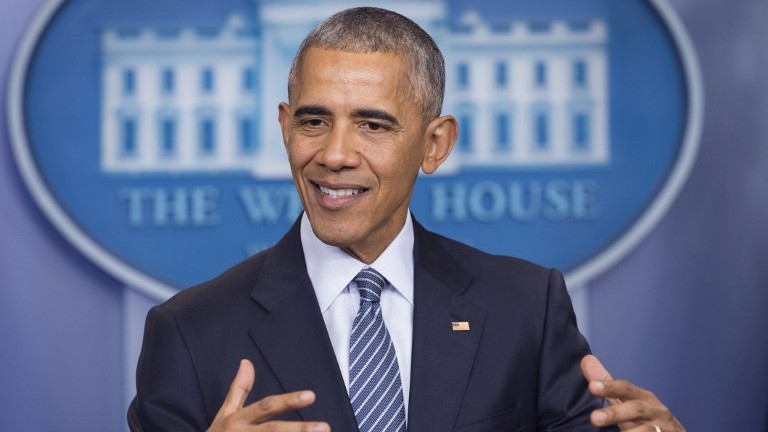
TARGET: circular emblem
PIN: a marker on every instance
(147, 131)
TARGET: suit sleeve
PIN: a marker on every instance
(168, 396)
(564, 399)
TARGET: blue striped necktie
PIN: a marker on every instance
(375, 389)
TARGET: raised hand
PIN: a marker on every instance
(630, 407)
(234, 417)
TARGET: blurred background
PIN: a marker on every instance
(683, 313)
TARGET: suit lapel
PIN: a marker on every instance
(292, 337)
(442, 358)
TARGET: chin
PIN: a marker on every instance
(334, 234)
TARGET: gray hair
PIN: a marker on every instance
(371, 29)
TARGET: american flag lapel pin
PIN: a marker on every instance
(460, 326)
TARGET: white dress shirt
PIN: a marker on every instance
(331, 271)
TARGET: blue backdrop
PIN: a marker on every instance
(684, 314)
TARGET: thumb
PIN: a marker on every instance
(239, 389)
(593, 370)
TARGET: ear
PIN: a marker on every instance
(284, 118)
(441, 134)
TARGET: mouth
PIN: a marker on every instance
(341, 192)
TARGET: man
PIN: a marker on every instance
(442, 336)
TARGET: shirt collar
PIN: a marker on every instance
(331, 269)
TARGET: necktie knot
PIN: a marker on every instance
(370, 283)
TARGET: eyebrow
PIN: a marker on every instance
(376, 114)
(371, 113)
(305, 110)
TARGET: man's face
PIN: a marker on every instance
(355, 142)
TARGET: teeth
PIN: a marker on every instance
(339, 192)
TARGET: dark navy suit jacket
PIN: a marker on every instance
(516, 369)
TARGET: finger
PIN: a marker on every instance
(620, 389)
(272, 406)
(286, 426)
(593, 370)
(239, 389)
(632, 412)
(650, 427)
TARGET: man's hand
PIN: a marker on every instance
(233, 416)
(630, 407)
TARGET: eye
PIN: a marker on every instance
(311, 123)
(374, 127)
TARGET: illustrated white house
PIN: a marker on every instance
(205, 99)
(180, 100)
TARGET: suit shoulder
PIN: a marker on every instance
(233, 285)
(479, 261)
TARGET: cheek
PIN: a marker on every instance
(409, 162)
(299, 154)
(398, 174)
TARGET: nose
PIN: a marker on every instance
(339, 150)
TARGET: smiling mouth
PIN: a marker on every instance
(338, 193)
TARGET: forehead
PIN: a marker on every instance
(363, 76)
